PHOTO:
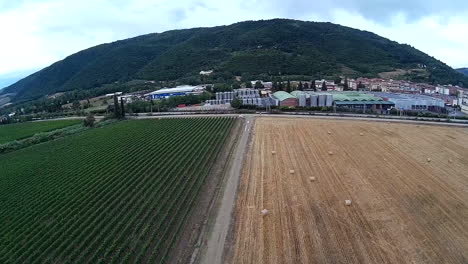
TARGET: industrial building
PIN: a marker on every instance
(355, 100)
(463, 101)
(313, 99)
(177, 91)
(247, 96)
(413, 101)
(351, 100)
(281, 98)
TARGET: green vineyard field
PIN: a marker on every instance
(116, 194)
(23, 130)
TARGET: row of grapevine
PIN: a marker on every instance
(19, 131)
(114, 194)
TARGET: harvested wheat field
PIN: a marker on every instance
(407, 187)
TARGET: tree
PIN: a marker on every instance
(117, 112)
(300, 87)
(337, 80)
(361, 86)
(306, 86)
(221, 87)
(236, 85)
(274, 86)
(345, 85)
(258, 85)
(324, 86)
(89, 120)
(248, 84)
(288, 86)
(236, 103)
(122, 108)
(76, 105)
(280, 86)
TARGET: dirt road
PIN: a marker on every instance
(214, 248)
(408, 187)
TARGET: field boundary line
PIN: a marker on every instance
(213, 250)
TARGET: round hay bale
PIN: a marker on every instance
(428, 159)
(312, 179)
(273, 152)
(348, 202)
(450, 160)
(329, 132)
(264, 212)
(330, 152)
(361, 134)
(291, 171)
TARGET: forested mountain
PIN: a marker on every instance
(278, 47)
(463, 70)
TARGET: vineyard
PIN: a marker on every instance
(116, 194)
(23, 130)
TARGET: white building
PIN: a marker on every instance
(463, 101)
(177, 91)
(206, 72)
(442, 90)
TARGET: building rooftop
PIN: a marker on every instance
(281, 95)
(178, 89)
(355, 96)
(364, 102)
(398, 96)
(343, 96)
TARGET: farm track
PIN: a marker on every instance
(217, 237)
(405, 209)
(116, 194)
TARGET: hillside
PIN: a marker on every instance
(265, 48)
(463, 70)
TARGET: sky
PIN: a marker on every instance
(36, 33)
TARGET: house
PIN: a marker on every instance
(206, 72)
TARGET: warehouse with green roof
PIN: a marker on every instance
(350, 100)
(357, 100)
(282, 98)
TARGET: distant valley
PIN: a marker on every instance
(463, 71)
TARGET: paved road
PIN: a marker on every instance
(213, 253)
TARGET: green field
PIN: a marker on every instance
(23, 130)
(116, 194)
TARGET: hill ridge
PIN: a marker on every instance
(263, 48)
(463, 71)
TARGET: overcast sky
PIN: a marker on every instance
(36, 33)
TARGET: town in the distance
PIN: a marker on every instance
(383, 97)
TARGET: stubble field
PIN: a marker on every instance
(408, 185)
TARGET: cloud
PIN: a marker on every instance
(379, 11)
(36, 33)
